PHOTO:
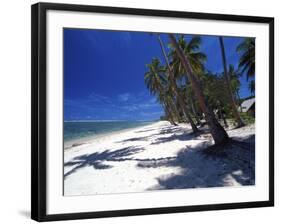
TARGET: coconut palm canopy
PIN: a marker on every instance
(247, 60)
(106, 72)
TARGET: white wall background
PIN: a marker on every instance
(15, 110)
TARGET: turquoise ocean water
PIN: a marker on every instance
(75, 130)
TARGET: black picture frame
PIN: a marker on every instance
(38, 116)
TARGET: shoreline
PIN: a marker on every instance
(158, 156)
(68, 144)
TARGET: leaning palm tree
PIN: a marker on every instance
(170, 98)
(232, 103)
(196, 58)
(168, 111)
(175, 88)
(217, 131)
(188, 97)
(247, 59)
(166, 98)
(155, 80)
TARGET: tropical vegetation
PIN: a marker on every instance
(190, 93)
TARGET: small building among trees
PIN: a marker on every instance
(248, 106)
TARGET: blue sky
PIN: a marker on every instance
(104, 73)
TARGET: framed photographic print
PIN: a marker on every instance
(138, 111)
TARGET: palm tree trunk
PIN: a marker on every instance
(239, 100)
(217, 131)
(162, 91)
(185, 112)
(235, 112)
(222, 114)
(179, 97)
(174, 108)
(169, 114)
(198, 122)
(224, 120)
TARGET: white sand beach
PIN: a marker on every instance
(158, 156)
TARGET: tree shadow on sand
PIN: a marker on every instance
(185, 136)
(136, 139)
(98, 159)
(205, 166)
(145, 130)
(165, 128)
(169, 130)
(181, 135)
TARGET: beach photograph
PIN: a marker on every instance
(157, 111)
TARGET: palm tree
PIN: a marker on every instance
(247, 59)
(232, 103)
(217, 131)
(191, 51)
(235, 84)
(168, 101)
(155, 80)
(188, 96)
(167, 108)
(172, 99)
(172, 80)
(197, 59)
(252, 87)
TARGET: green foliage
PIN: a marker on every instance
(215, 90)
(247, 59)
(247, 118)
(192, 52)
(155, 78)
(162, 84)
